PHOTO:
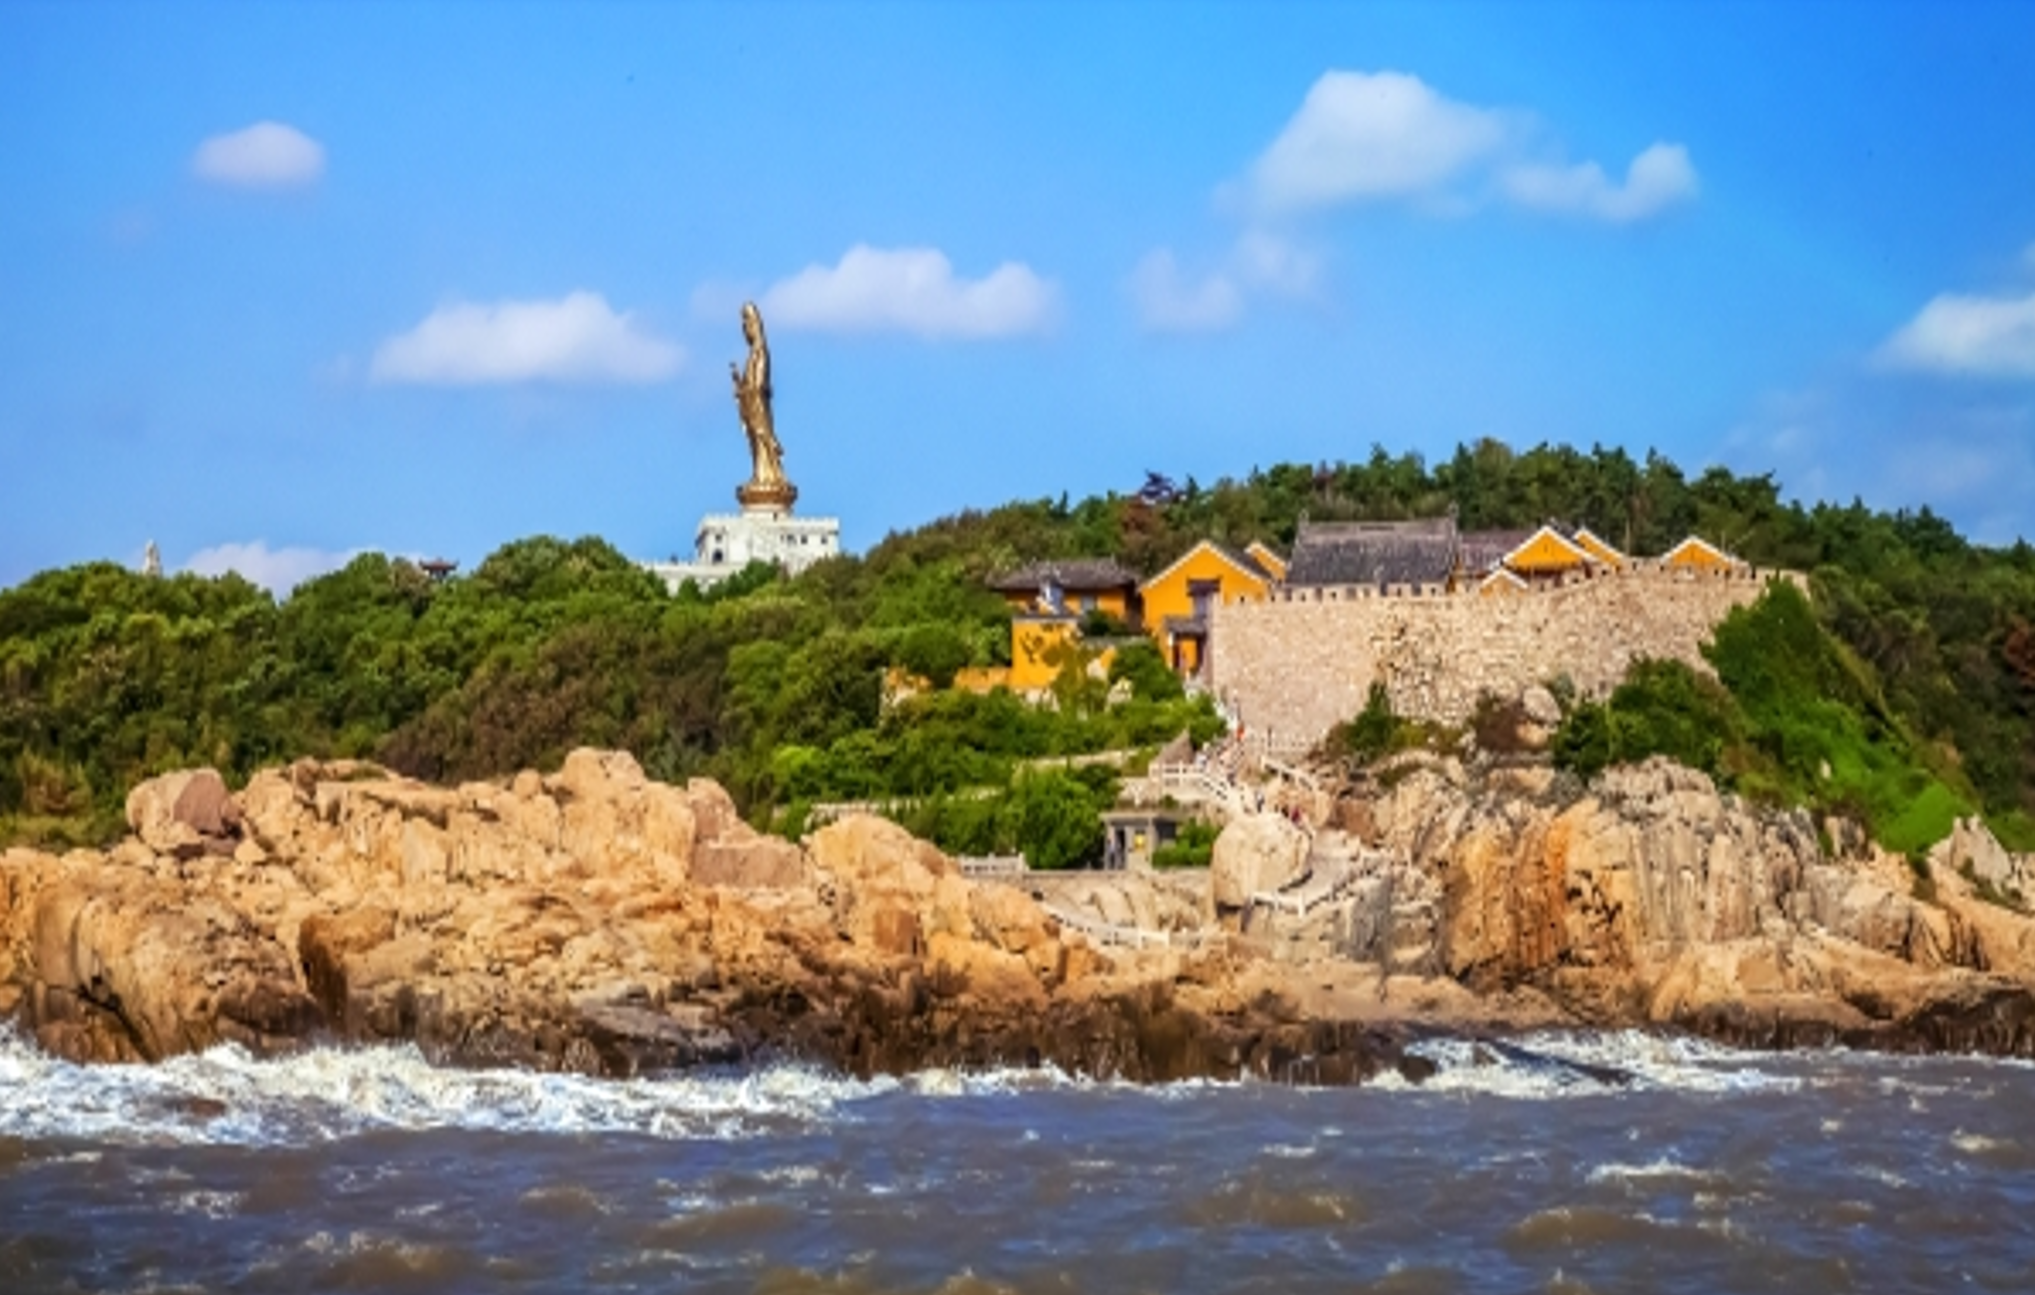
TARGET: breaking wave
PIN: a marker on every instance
(1565, 1064)
(227, 1096)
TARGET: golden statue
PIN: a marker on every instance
(767, 486)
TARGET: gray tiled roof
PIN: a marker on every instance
(1243, 558)
(1374, 553)
(1483, 550)
(1074, 575)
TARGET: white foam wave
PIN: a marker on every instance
(227, 1096)
(1289, 1150)
(943, 1082)
(1551, 1064)
(1654, 1169)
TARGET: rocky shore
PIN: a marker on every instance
(598, 921)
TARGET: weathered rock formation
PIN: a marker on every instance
(1255, 853)
(1652, 899)
(598, 921)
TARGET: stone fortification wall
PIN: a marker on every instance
(1303, 661)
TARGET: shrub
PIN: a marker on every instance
(1793, 719)
(1377, 731)
(1142, 664)
(1662, 708)
(1192, 848)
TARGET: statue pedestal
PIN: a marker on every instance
(771, 497)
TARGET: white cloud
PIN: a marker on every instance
(1977, 336)
(576, 338)
(1365, 135)
(266, 155)
(278, 570)
(1375, 136)
(1260, 263)
(1167, 303)
(1658, 178)
(911, 290)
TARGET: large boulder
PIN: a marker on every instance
(185, 813)
(880, 874)
(124, 966)
(1255, 853)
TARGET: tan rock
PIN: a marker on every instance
(1972, 848)
(151, 806)
(1255, 853)
(757, 863)
(598, 920)
(588, 774)
(206, 805)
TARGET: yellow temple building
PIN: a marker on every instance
(1049, 600)
(1178, 599)
(1699, 554)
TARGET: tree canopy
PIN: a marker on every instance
(776, 686)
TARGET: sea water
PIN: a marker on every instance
(1581, 1162)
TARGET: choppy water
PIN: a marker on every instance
(368, 1170)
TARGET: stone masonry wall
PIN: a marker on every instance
(1302, 662)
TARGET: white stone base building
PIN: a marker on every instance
(727, 542)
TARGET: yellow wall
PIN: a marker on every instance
(982, 678)
(1698, 554)
(1116, 602)
(1166, 594)
(1545, 554)
(1599, 550)
(1038, 648)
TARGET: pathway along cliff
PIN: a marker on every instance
(599, 922)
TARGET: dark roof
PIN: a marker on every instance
(1243, 558)
(1374, 553)
(1073, 575)
(1236, 557)
(1483, 550)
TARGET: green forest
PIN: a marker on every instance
(1908, 679)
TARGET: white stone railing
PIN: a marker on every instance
(1320, 886)
(1136, 937)
(1189, 782)
(1266, 748)
(992, 865)
(1291, 772)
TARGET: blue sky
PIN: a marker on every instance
(279, 283)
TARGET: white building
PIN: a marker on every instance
(727, 542)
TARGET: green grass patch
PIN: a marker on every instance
(1792, 719)
(2014, 829)
(1925, 820)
